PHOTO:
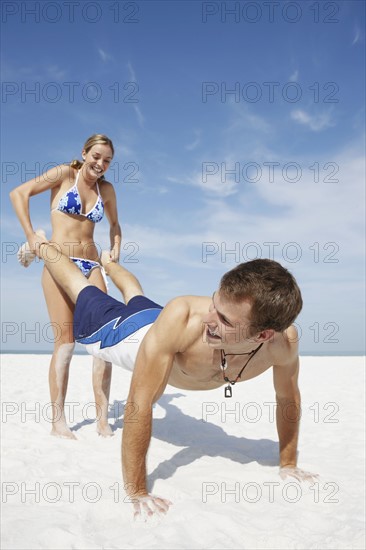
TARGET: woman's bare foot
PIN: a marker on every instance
(63, 431)
(104, 429)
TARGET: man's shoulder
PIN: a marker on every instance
(286, 348)
(185, 307)
(180, 322)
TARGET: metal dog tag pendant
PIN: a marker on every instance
(228, 391)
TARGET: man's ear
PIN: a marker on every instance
(265, 335)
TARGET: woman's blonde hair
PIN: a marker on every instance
(90, 142)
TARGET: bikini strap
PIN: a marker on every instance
(77, 178)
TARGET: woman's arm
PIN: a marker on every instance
(20, 196)
(115, 232)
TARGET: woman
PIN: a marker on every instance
(79, 198)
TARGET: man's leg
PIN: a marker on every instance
(102, 374)
(63, 270)
(126, 283)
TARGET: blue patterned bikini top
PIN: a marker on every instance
(70, 203)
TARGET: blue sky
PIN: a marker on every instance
(238, 134)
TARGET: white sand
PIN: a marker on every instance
(221, 473)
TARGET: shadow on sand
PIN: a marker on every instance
(199, 438)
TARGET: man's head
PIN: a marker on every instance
(271, 290)
(254, 298)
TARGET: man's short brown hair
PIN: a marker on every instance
(270, 288)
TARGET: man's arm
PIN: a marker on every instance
(153, 366)
(288, 413)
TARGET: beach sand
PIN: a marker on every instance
(216, 459)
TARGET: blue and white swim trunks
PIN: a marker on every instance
(110, 329)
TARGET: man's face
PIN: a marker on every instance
(227, 323)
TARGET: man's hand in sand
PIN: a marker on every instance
(297, 473)
(146, 506)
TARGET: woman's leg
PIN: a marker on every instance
(60, 310)
(102, 374)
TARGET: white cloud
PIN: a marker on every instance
(316, 123)
(211, 179)
(320, 207)
(162, 243)
(140, 116)
(33, 73)
(317, 220)
(217, 183)
(294, 77)
(104, 55)
(357, 37)
(132, 75)
(137, 109)
(122, 150)
(56, 73)
(244, 119)
(195, 143)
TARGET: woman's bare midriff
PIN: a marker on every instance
(74, 236)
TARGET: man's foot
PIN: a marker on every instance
(104, 429)
(63, 431)
(25, 256)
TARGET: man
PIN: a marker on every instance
(193, 343)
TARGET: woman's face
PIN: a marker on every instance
(97, 159)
